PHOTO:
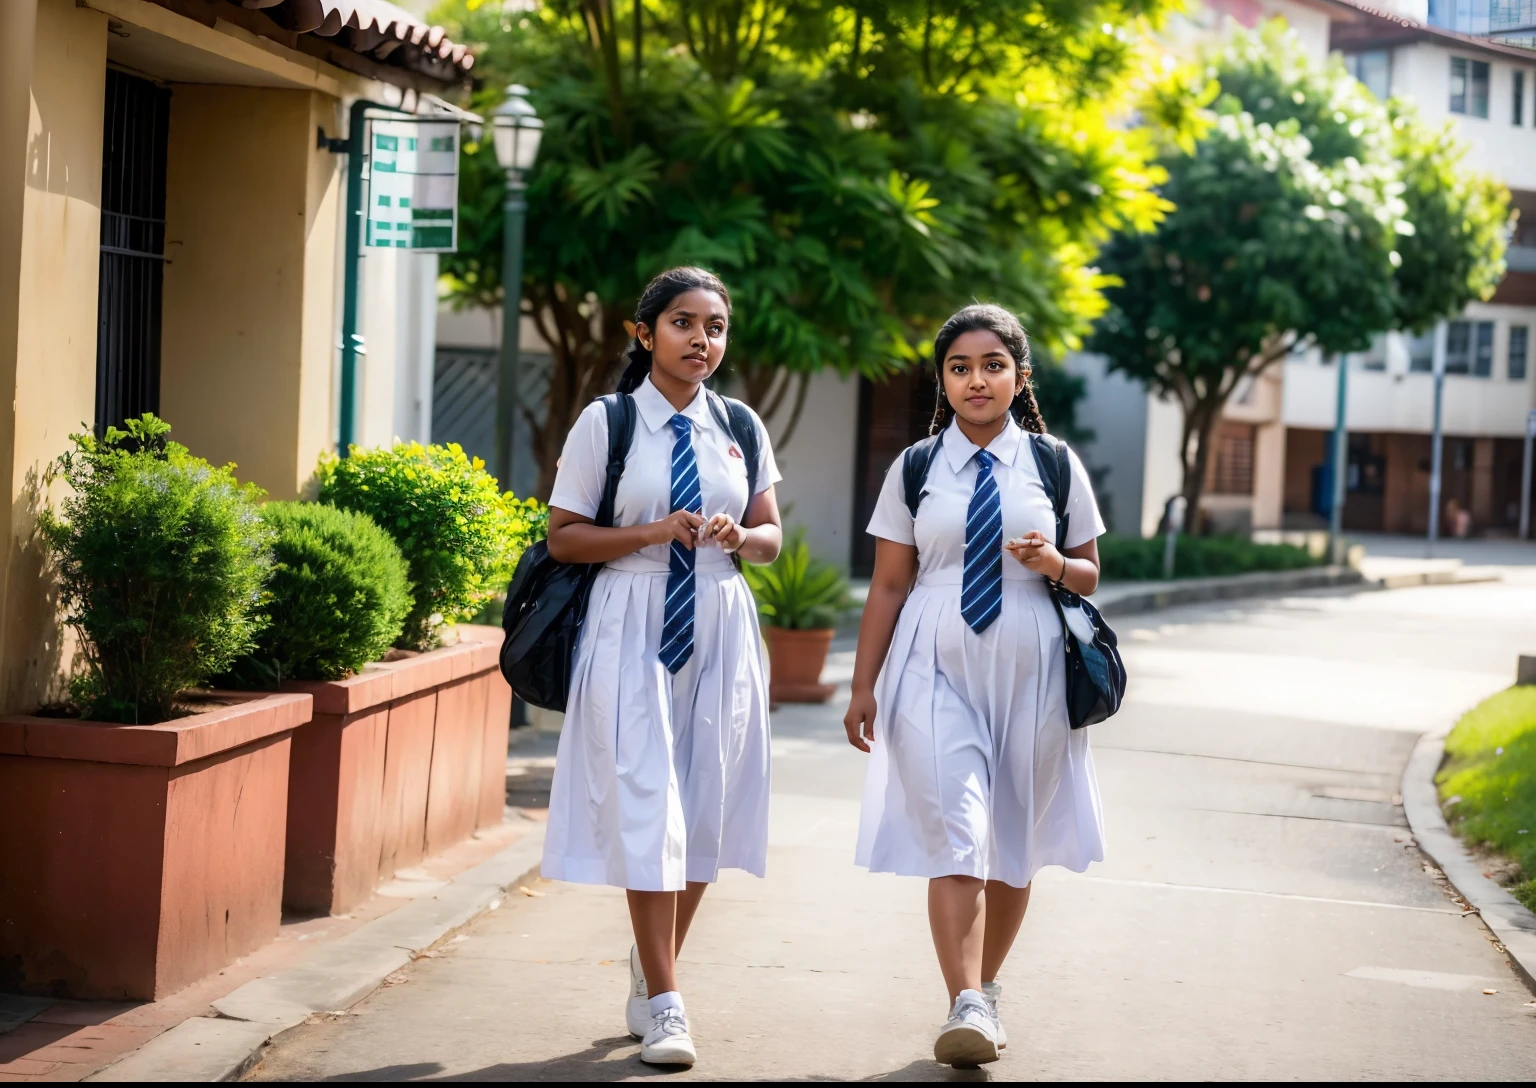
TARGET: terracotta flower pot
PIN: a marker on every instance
(797, 658)
(138, 858)
(400, 762)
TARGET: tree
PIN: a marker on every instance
(854, 172)
(1308, 214)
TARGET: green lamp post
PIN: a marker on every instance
(516, 130)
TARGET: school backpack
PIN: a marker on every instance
(547, 599)
(1095, 672)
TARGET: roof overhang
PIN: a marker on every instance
(369, 37)
(1355, 27)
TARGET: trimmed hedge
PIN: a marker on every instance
(338, 596)
(1488, 783)
(1135, 559)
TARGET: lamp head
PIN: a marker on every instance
(516, 128)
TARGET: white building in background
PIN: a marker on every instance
(1271, 465)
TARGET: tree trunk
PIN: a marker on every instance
(1199, 428)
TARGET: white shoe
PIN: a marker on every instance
(992, 991)
(969, 1037)
(668, 1042)
(637, 1010)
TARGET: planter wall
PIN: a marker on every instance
(399, 762)
(797, 659)
(137, 859)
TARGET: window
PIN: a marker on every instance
(1519, 345)
(1374, 69)
(1469, 348)
(1517, 104)
(1421, 352)
(1234, 459)
(1469, 87)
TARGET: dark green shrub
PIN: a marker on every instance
(460, 536)
(162, 560)
(337, 596)
(1136, 559)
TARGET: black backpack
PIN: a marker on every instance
(547, 599)
(1095, 673)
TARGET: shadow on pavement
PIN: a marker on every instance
(594, 1065)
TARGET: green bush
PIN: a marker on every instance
(162, 560)
(339, 593)
(796, 592)
(1488, 783)
(460, 536)
(1134, 559)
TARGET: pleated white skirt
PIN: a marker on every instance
(660, 778)
(974, 770)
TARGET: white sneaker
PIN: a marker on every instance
(668, 1042)
(637, 1010)
(992, 991)
(969, 1037)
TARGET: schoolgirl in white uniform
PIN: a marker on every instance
(661, 778)
(976, 779)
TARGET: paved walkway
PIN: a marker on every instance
(1262, 913)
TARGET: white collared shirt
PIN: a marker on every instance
(645, 491)
(939, 529)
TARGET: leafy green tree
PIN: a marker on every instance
(1307, 215)
(853, 171)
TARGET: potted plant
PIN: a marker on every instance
(406, 752)
(799, 600)
(336, 600)
(145, 823)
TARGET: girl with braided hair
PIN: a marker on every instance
(976, 779)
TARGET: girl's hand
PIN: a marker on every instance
(860, 720)
(681, 526)
(1038, 554)
(723, 530)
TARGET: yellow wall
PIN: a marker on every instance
(48, 385)
(248, 318)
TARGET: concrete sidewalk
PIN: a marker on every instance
(1262, 913)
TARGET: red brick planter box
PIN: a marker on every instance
(399, 762)
(135, 859)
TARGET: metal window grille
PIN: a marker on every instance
(1519, 345)
(136, 124)
(1234, 460)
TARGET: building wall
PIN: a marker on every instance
(1114, 408)
(818, 465)
(50, 380)
(249, 336)
(1422, 72)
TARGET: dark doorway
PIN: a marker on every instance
(893, 414)
(136, 121)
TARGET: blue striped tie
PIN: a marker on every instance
(677, 624)
(981, 593)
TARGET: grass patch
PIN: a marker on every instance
(1488, 783)
(1137, 559)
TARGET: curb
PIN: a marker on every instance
(1262, 584)
(1511, 923)
(223, 1047)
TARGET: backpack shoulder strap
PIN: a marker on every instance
(915, 464)
(621, 432)
(736, 418)
(1055, 475)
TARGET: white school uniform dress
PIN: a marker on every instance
(975, 770)
(661, 778)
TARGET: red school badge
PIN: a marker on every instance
(736, 453)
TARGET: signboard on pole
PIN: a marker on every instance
(412, 199)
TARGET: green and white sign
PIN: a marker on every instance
(413, 185)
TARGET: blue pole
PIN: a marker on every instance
(352, 347)
(1340, 465)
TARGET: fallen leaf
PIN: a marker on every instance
(529, 892)
(1490, 991)
(605, 963)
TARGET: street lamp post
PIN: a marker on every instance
(516, 130)
(1340, 465)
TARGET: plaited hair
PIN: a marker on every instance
(654, 300)
(997, 320)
